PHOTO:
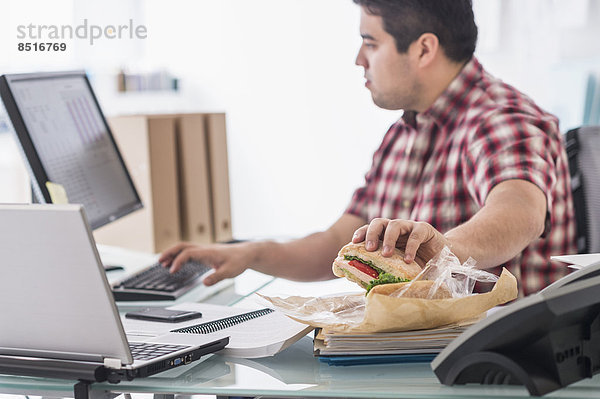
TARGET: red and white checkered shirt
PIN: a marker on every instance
(439, 166)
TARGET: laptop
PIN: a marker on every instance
(58, 317)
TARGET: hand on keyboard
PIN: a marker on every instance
(157, 279)
(227, 260)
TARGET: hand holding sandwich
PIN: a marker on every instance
(419, 240)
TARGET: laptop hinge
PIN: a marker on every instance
(112, 363)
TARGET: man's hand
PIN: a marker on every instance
(228, 260)
(419, 240)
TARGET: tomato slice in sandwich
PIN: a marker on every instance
(364, 268)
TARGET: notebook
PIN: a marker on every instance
(253, 333)
(57, 312)
(377, 359)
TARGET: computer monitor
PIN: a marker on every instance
(65, 140)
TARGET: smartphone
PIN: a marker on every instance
(163, 315)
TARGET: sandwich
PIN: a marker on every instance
(415, 289)
(369, 269)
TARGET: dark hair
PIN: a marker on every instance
(452, 21)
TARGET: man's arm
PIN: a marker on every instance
(305, 259)
(308, 258)
(512, 217)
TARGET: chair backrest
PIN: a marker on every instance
(583, 150)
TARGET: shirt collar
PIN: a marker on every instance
(454, 99)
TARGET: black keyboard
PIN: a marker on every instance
(148, 351)
(156, 283)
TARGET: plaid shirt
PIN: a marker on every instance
(439, 166)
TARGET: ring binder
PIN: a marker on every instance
(221, 324)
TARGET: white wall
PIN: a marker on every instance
(546, 48)
(302, 127)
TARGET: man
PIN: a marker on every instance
(472, 164)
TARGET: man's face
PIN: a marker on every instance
(389, 74)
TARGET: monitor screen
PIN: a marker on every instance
(66, 140)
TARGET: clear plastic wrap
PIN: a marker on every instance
(339, 312)
(446, 272)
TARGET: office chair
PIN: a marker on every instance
(583, 151)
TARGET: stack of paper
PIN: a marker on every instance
(421, 341)
(578, 261)
(364, 348)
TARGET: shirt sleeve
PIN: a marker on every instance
(512, 146)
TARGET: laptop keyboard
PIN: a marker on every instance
(148, 351)
(157, 283)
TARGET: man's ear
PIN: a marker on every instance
(426, 49)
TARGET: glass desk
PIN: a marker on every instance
(295, 372)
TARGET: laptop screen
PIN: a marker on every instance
(55, 298)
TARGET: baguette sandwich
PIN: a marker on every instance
(369, 269)
(416, 289)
